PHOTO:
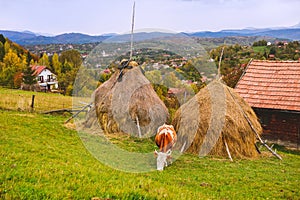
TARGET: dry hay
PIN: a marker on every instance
(70, 125)
(119, 104)
(214, 116)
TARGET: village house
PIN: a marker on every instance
(45, 78)
(272, 89)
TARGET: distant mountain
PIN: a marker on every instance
(292, 33)
(30, 38)
(139, 36)
(38, 34)
(67, 38)
(282, 33)
(16, 36)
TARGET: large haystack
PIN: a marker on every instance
(122, 105)
(214, 118)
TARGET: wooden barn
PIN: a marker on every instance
(272, 89)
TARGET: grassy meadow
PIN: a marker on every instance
(21, 100)
(42, 158)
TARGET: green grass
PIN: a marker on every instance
(42, 159)
(260, 49)
(13, 99)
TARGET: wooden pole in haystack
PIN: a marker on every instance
(131, 50)
(254, 130)
(227, 149)
(218, 78)
(220, 60)
(132, 27)
(130, 57)
(138, 126)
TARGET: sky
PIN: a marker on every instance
(97, 17)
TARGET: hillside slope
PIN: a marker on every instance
(42, 159)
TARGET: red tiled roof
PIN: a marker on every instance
(37, 69)
(176, 90)
(271, 84)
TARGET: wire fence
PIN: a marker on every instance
(33, 101)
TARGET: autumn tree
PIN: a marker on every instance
(12, 65)
(18, 79)
(56, 64)
(6, 47)
(44, 61)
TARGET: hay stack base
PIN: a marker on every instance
(213, 119)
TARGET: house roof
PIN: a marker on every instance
(38, 69)
(176, 90)
(271, 84)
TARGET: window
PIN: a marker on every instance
(49, 78)
(41, 79)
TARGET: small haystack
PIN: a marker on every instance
(213, 122)
(129, 105)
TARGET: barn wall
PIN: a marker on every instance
(279, 125)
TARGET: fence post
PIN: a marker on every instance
(32, 102)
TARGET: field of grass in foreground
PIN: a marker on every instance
(42, 159)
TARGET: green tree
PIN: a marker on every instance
(272, 50)
(2, 39)
(44, 61)
(154, 76)
(170, 80)
(67, 77)
(71, 56)
(28, 77)
(2, 51)
(71, 61)
(104, 77)
(260, 43)
(28, 57)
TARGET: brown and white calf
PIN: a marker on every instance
(165, 139)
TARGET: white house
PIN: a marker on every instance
(46, 79)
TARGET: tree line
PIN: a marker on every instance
(16, 62)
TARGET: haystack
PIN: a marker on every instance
(129, 105)
(214, 118)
